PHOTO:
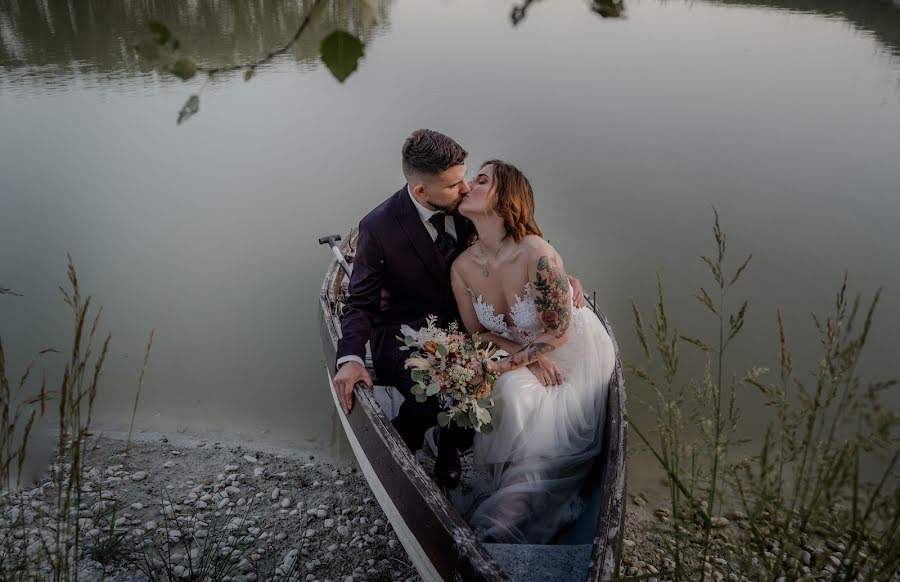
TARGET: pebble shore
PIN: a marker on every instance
(275, 514)
(174, 503)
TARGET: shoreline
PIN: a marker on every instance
(177, 493)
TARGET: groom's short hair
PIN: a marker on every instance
(430, 152)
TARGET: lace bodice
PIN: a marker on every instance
(523, 314)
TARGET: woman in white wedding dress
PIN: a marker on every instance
(550, 396)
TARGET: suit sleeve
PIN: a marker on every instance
(364, 294)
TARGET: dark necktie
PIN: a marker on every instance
(445, 244)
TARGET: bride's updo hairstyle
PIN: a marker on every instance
(515, 199)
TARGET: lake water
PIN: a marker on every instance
(785, 115)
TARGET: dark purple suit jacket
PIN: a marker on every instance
(398, 277)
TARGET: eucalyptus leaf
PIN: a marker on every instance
(433, 389)
(417, 389)
(443, 419)
(442, 350)
(190, 107)
(341, 52)
(487, 428)
(421, 398)
(418, 375)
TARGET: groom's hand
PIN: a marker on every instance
(577, 293)
(547, 372)
(346, 378)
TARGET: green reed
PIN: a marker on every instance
(804, 487)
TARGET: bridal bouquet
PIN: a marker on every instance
(451, 365)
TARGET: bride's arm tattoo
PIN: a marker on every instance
(530, 353)
(552, 297)
(553, 300)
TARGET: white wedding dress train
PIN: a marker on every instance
(529, 471)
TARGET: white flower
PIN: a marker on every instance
(418, 363)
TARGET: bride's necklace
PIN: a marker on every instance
(484, 269)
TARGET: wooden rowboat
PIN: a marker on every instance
(439, 542)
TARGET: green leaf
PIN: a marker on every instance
(487, 428)
(418, 375)
(421, 398)
(433, 389)
(485, 402)
(190, 108)
(183, 68)
(341, 52)
(443, 419)
(161, 33)
(417, 389)
(442, 350)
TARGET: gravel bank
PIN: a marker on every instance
(178, 499)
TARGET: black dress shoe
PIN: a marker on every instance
(447, 468)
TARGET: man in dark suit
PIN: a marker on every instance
(401, 275)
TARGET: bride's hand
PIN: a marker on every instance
(547, 372)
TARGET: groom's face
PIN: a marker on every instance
(444, 191)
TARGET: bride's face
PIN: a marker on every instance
(481, 196)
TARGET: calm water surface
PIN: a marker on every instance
(785, 115)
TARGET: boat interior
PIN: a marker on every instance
(566, 559)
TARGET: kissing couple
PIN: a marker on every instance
(472, 252)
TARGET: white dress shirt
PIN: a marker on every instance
(424, 214)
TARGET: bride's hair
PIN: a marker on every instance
(515, 199)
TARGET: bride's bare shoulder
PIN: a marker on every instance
(535, 247)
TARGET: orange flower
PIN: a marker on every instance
(430, 347)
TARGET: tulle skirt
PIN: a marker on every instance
(529, 472)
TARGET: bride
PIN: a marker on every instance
(511, 287)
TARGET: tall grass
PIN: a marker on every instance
(800, 506)
(55, 555)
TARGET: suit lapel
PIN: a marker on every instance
(421, 241)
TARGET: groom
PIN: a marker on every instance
(401, 275)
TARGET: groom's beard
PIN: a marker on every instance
(452, 208)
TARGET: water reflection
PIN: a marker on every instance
(49, 42)
(879, 17)
(41, 42)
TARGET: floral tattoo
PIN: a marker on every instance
(554, 309)
(552, 298)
